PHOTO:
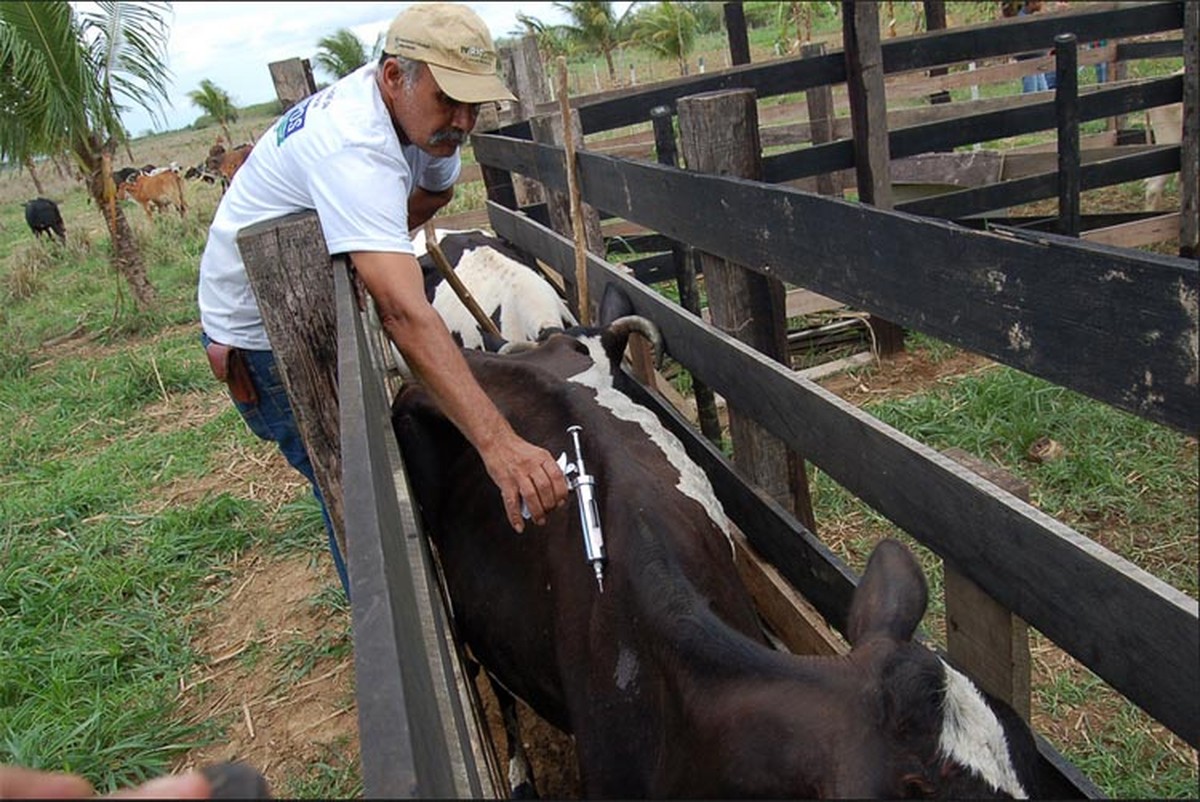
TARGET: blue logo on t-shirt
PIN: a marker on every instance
(291, 122)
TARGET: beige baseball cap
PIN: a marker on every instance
(455, 43)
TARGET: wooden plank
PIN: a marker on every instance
(791, 618)
(1136, 632)
(982, 637)
(1038, 305)
(1136, 233)
(982, 127)
(288, 266)
(800, 301)
(980, 200)
(415, 740)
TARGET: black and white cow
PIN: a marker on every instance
(504, 283)
(665, 678)
(44, 217)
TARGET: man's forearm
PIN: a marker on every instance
(423, 204)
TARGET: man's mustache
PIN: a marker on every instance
(455, 135)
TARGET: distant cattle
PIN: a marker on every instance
(1166, 127)
(665, 678)
(157, 192)
(202, 173)
(43, 217)
(124, 174)
(226, 163)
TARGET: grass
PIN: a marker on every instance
(100, 570)
(1129, 484)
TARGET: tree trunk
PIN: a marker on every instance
(125, 257)
(37, 182)
(612, 69)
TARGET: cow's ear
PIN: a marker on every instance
(891, 597)
(614, 303)
(492, 343)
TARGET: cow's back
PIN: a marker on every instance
(528, 603)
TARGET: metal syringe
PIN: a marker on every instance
(584, 485)
(589, 514)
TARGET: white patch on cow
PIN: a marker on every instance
(527, 302)
(627, 668)
(693, 482)
(972, 736)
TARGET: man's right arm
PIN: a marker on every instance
(520, 469)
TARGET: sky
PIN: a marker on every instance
(231, 44)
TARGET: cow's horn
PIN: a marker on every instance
(516, 347)
(622, 327)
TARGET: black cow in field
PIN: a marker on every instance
(665, 678)
(43, 217)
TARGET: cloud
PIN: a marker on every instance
(231, 44)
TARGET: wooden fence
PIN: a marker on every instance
(1038, 301)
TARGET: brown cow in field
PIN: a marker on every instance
(161, 191)
(226, 162)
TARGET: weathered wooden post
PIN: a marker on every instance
(739, 41)
(868, 116)
(1066, 108)
(527, 80)
(293, 81)
(820, 121)
(548, 130)
(288, 266)
(685, 274)
(935, 20)
(1189, 155)
(719, 134)
(983, 638)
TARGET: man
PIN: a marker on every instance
(376, 155)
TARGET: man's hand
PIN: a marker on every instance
(21, 783)
(526, 472)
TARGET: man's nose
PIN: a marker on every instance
(464, 117)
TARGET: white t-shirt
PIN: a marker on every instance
(336, 152)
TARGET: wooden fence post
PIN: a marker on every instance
(293, 81)
(685, 274)
(719, 134)
(935, 20)
(984, 638)
(1066, 107)
(548, 130)
(289, 269)
(1189, 155)
(820, 122)
(528, 81)
(868, 116)
(739, 41)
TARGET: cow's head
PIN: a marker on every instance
(935, 734)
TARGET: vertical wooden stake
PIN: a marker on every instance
(581, 281)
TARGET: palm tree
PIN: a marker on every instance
(216, 103)
(552, 40)
(61, 72)
(596, 26)
(668, 29)
(340, 54)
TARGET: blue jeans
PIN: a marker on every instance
(1034, 83)
(271, 418)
